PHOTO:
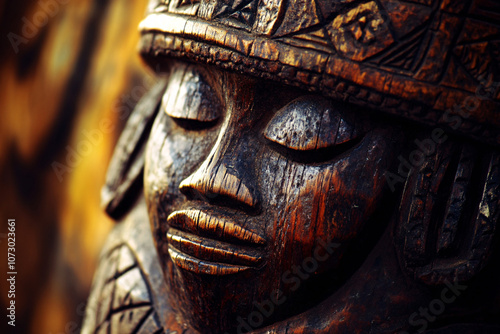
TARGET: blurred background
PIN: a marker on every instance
(69, 77)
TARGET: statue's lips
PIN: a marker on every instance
(199, 242)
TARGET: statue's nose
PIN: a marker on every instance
(224, 178)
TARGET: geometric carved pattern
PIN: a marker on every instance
(361, 32)
(406, 56)
(125, 304)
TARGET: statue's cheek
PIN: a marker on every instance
(326, 207)
(334, 201)
(174, 153)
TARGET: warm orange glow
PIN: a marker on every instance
(61, 225)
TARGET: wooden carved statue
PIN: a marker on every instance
(311, 166)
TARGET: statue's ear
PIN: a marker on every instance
(449, 210)
(124, 176)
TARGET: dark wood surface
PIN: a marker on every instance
(304, 172)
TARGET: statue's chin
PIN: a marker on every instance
(243, 301)
(196, 296)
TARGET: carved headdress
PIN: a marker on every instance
(423, 60)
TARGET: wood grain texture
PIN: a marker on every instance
(282, 201)
(267, 182)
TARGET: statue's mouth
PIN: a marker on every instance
(206, 244)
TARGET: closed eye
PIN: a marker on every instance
(190, 100)
(313, 129)
(317, 155)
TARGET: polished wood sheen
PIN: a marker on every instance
(308, 167)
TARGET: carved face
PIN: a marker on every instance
(254, 191)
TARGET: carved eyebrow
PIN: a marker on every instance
(310, 123)
(189, 97)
